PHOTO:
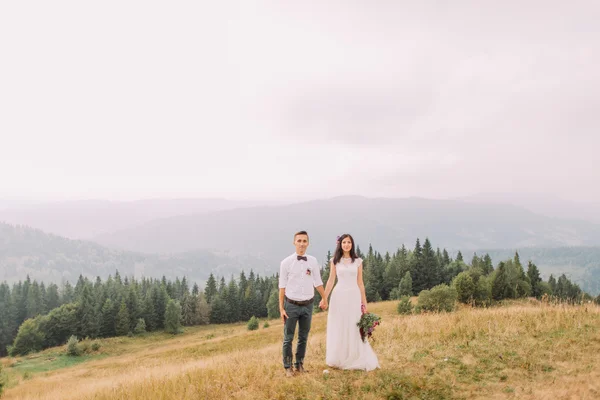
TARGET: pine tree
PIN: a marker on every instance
(79, 287)
(222, 286)
(373, 270)
(6, 319)
(487, 265)
(188, 314)
(244, 298)
(133, 306)
(43, 305)
(359, 254)
(534, 278)
(68, 294)
(499, 283)
(161, 298)
(430, 265)
(446, 257)
(391, 275)
(122, 322)
(195, 290)
(149, 312)
(517, 260)
(52, 297)
(21, 302)
(86, 313)
(107, 327)
(459, 257)
(33, 303)
(185, 289)
(232, 300)
(419, 275)
(173, 317)
(218, 312)
(175, 290)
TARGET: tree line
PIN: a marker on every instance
(34, 317)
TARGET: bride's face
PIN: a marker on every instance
(346, 244)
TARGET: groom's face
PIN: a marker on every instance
(301, 243)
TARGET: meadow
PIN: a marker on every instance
(521, 350)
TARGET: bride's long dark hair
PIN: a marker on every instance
(339, 253)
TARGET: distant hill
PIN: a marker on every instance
(386, 223)
(50, 258)
(544, 204)
(87, 218)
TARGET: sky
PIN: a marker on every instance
(125, 100)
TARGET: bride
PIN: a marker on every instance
(345, 348)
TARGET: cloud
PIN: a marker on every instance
(228, 99)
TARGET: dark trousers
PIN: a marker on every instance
(301, 315)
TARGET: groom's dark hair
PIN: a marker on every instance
(339, 253)
(301, 233)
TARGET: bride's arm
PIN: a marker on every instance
(361, 286)
(330, 281)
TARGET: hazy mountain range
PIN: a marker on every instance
(544, 204)
(50, 258)
(84, 219)
(194, 237)
(384, 223)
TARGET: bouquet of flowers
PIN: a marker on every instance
(367, 324)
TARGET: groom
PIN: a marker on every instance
(299, 274)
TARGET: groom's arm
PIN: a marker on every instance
(283, 277)
(318, 284)
(281, 307)
(322, 293)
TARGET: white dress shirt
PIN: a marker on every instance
(299, 277)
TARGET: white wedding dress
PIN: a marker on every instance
(345, 348)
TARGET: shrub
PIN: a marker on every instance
(405, 306)
(140, 327)
(253, 324)
(72, 346)
(465, 287)
(438, 299)
(85, 347)
(95, 346)
(173, 317)
(266, 325)
(2, 381)
(395, 294)
(405, 286)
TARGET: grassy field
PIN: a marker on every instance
(524, 350)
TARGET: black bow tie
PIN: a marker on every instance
(302, 258)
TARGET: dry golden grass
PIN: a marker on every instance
(525, 350)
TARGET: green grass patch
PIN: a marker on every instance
(48, 362)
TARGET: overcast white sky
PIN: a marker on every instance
(135, 99)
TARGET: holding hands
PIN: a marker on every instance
(323, 304)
